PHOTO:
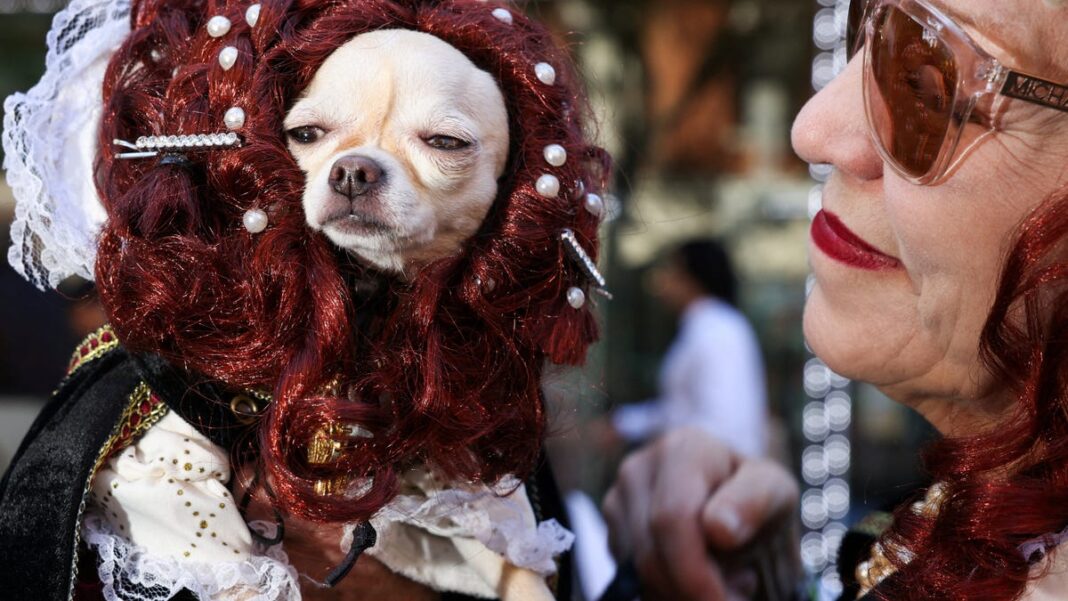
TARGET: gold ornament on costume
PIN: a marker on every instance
(878, 567)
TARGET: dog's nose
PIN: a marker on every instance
(354, 175)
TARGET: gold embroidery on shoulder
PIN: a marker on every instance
(95, 345)
(143, 410)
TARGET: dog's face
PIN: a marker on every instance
(402, 140)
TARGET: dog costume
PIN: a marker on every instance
(151, 158)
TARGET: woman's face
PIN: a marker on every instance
(911, 326)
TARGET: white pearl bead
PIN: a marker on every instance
(487, 286)
(548, 186)
(227, 57)
(252, 15)
(234, 118)
(255, 220)
(218, 26)
(576, 297)
(594, 204)
(503, 15)
(545, 72)
(555, 155)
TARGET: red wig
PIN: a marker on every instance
(443, 370)
(1008, 486)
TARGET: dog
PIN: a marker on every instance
(402, 139)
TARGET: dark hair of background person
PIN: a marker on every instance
(707, 262)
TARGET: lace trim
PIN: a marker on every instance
(50, 144)
(129, 573)
(496, 522)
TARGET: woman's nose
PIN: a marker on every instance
(833, 128)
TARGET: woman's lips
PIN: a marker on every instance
(838, 242)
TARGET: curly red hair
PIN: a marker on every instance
(443, 370)
(1010, 485)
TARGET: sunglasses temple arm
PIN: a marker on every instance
(1036, 91)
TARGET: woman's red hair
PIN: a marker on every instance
(444, 370)
(1010, 485)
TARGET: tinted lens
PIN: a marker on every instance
(910, 88)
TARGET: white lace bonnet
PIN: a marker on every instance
(50, 145)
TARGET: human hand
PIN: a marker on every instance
(700, 522)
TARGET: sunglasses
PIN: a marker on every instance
(926, 80)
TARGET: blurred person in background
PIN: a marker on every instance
(940, 264)
(712, 376)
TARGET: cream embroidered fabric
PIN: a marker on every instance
(162, 519)
(168, 493)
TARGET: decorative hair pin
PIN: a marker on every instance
(575, 296)
(150, 146)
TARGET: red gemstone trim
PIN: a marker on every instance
(96, 344)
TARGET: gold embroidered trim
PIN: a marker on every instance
(96, 344)
(142, 412)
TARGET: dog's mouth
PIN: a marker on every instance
(355, 223)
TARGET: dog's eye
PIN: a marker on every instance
(441, 142)
(305, 134)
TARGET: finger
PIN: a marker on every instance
(759, 493)
(680, 492)
(626, 504)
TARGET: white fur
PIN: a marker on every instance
(382, 94)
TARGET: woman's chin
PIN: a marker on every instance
(845, 343)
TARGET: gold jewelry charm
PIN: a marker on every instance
(325, 448)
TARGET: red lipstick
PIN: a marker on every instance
(840, 243)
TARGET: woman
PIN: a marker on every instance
(938, 263)
(712, 376)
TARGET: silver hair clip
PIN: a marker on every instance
(580, 256)
(150, 146)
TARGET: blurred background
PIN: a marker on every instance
(694, 99)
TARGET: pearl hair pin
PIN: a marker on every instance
(218, 26)
(254, 220)
(546, 73)
(585, 263)
(594, 204)
(555, 155)
(150, 146)
(489, 285)
(548, 186)
(576, 297)
(234, 118)
(503, 15)
(252, 15)
(227, 57)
